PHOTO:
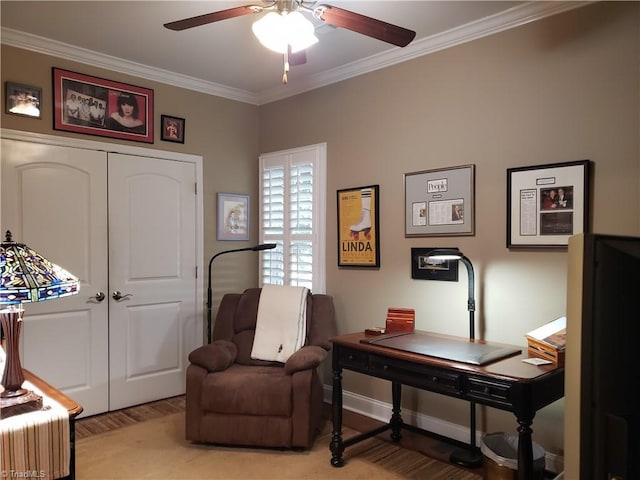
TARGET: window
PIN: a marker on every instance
(292, 214)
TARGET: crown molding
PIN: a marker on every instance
(514, 17)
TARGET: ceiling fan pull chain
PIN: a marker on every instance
(286, 15)
(286, 68)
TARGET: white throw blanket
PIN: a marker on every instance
(281, 326)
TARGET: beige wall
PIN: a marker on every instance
(222, 131)
(561, 89)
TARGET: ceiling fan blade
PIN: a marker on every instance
(213, 17)
(365, 25)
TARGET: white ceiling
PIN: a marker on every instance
(224, 58)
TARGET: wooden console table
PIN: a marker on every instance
(506, 384)
(73, 408)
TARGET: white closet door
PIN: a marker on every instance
(152, 250)
(54, 199)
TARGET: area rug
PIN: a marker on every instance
(156, 449)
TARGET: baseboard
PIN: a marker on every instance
(381, 411)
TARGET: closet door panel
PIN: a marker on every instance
(152, 225)
(54, 199)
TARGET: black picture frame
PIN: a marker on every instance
(23, 100)
(172, 129)
(547, 204)
(421, 269)
(358, 227)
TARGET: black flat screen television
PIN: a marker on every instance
(602, 376)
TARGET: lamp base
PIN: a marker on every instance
(466, 458)
(25, 403)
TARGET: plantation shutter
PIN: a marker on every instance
(292, 211)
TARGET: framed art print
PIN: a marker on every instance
(23, 100)
(233, 216)
(424, 268)
(172, 129)
(547, 204)
(96, 106)
(440, 202)
(358, 227)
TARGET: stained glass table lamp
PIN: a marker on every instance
(25, 276)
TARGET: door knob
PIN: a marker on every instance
(117, 295)
(98, 296)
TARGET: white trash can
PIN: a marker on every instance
(500, 453)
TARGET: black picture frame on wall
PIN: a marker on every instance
(547, 204)
(172, 129)
(424, 269)
(358, 227)
(23, 100)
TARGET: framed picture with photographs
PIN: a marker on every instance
(96, 106)
(424, 268)
(23, 100)
(440, 202)
(233, 216)
(547, 204)
(172, 129)
(358, 227)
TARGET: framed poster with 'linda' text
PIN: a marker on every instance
(358, 232)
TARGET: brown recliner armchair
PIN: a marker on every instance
(233, 399)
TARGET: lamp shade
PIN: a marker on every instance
(277, 31)
(26, 276)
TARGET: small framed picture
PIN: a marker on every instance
(425, 268)
(172, 129)
(23, 100)
(233, 216)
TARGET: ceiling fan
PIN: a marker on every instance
(284, 13)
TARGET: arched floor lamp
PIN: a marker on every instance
(471, 457)
(257, 248)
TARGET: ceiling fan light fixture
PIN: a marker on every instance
(277, 31)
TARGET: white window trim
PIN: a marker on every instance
(319, 206)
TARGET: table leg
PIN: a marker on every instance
(72, 450)
(72, 459)
(525, 449)
(396, 417)
(337, 445)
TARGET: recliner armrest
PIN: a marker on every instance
(304, 359)
(215, 356)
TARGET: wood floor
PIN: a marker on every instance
(85, 427)
(433, 447)
(106, 422)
